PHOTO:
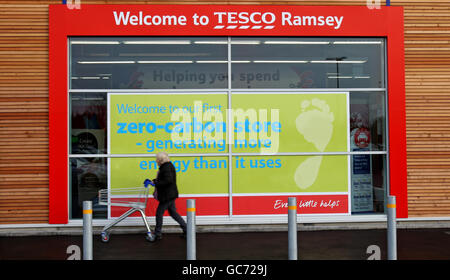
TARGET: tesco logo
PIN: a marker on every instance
(244, 20)
(245, 17)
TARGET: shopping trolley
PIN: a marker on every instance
(134, 198)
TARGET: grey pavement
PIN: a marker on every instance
(413, 244)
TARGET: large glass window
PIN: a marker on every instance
(148, 63)
(307, 63)
(88, 123)
(266, 73)
(367, 121)
(88, 176)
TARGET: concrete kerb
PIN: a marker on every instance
(138, 229)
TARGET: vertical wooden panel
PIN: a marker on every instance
(427, 76)
(23, 113)
(24, 103)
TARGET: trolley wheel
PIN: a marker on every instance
(150, 237)
(105, 236)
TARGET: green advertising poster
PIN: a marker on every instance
(195, 175)
(290, 174)
(290, 122)
(173, 123)
(281, 142)
(198, 123)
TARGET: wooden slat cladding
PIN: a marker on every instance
(24, 103)
(427, 78)
(24, 113)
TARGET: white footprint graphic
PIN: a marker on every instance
(307, 171)
(315, 123)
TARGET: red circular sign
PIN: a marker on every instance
(362, 137)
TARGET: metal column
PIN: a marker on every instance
(392, 228)
(190, 234)
(87, 230)
(292, 227)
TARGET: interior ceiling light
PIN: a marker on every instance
(94, 42)
(357, 43)
(164, 61)
(211, 61)
(90, 78)
(245, 42)
(297, 42)
(164, 54)
(338, 61)
(211, 42)
(108, 62)
(280, 61)
(340, 77)
(158, 42)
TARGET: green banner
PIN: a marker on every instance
(290, 174)
(262, 124)
(198, 123)
(173, 123)
(195, 175)
(274, 123)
